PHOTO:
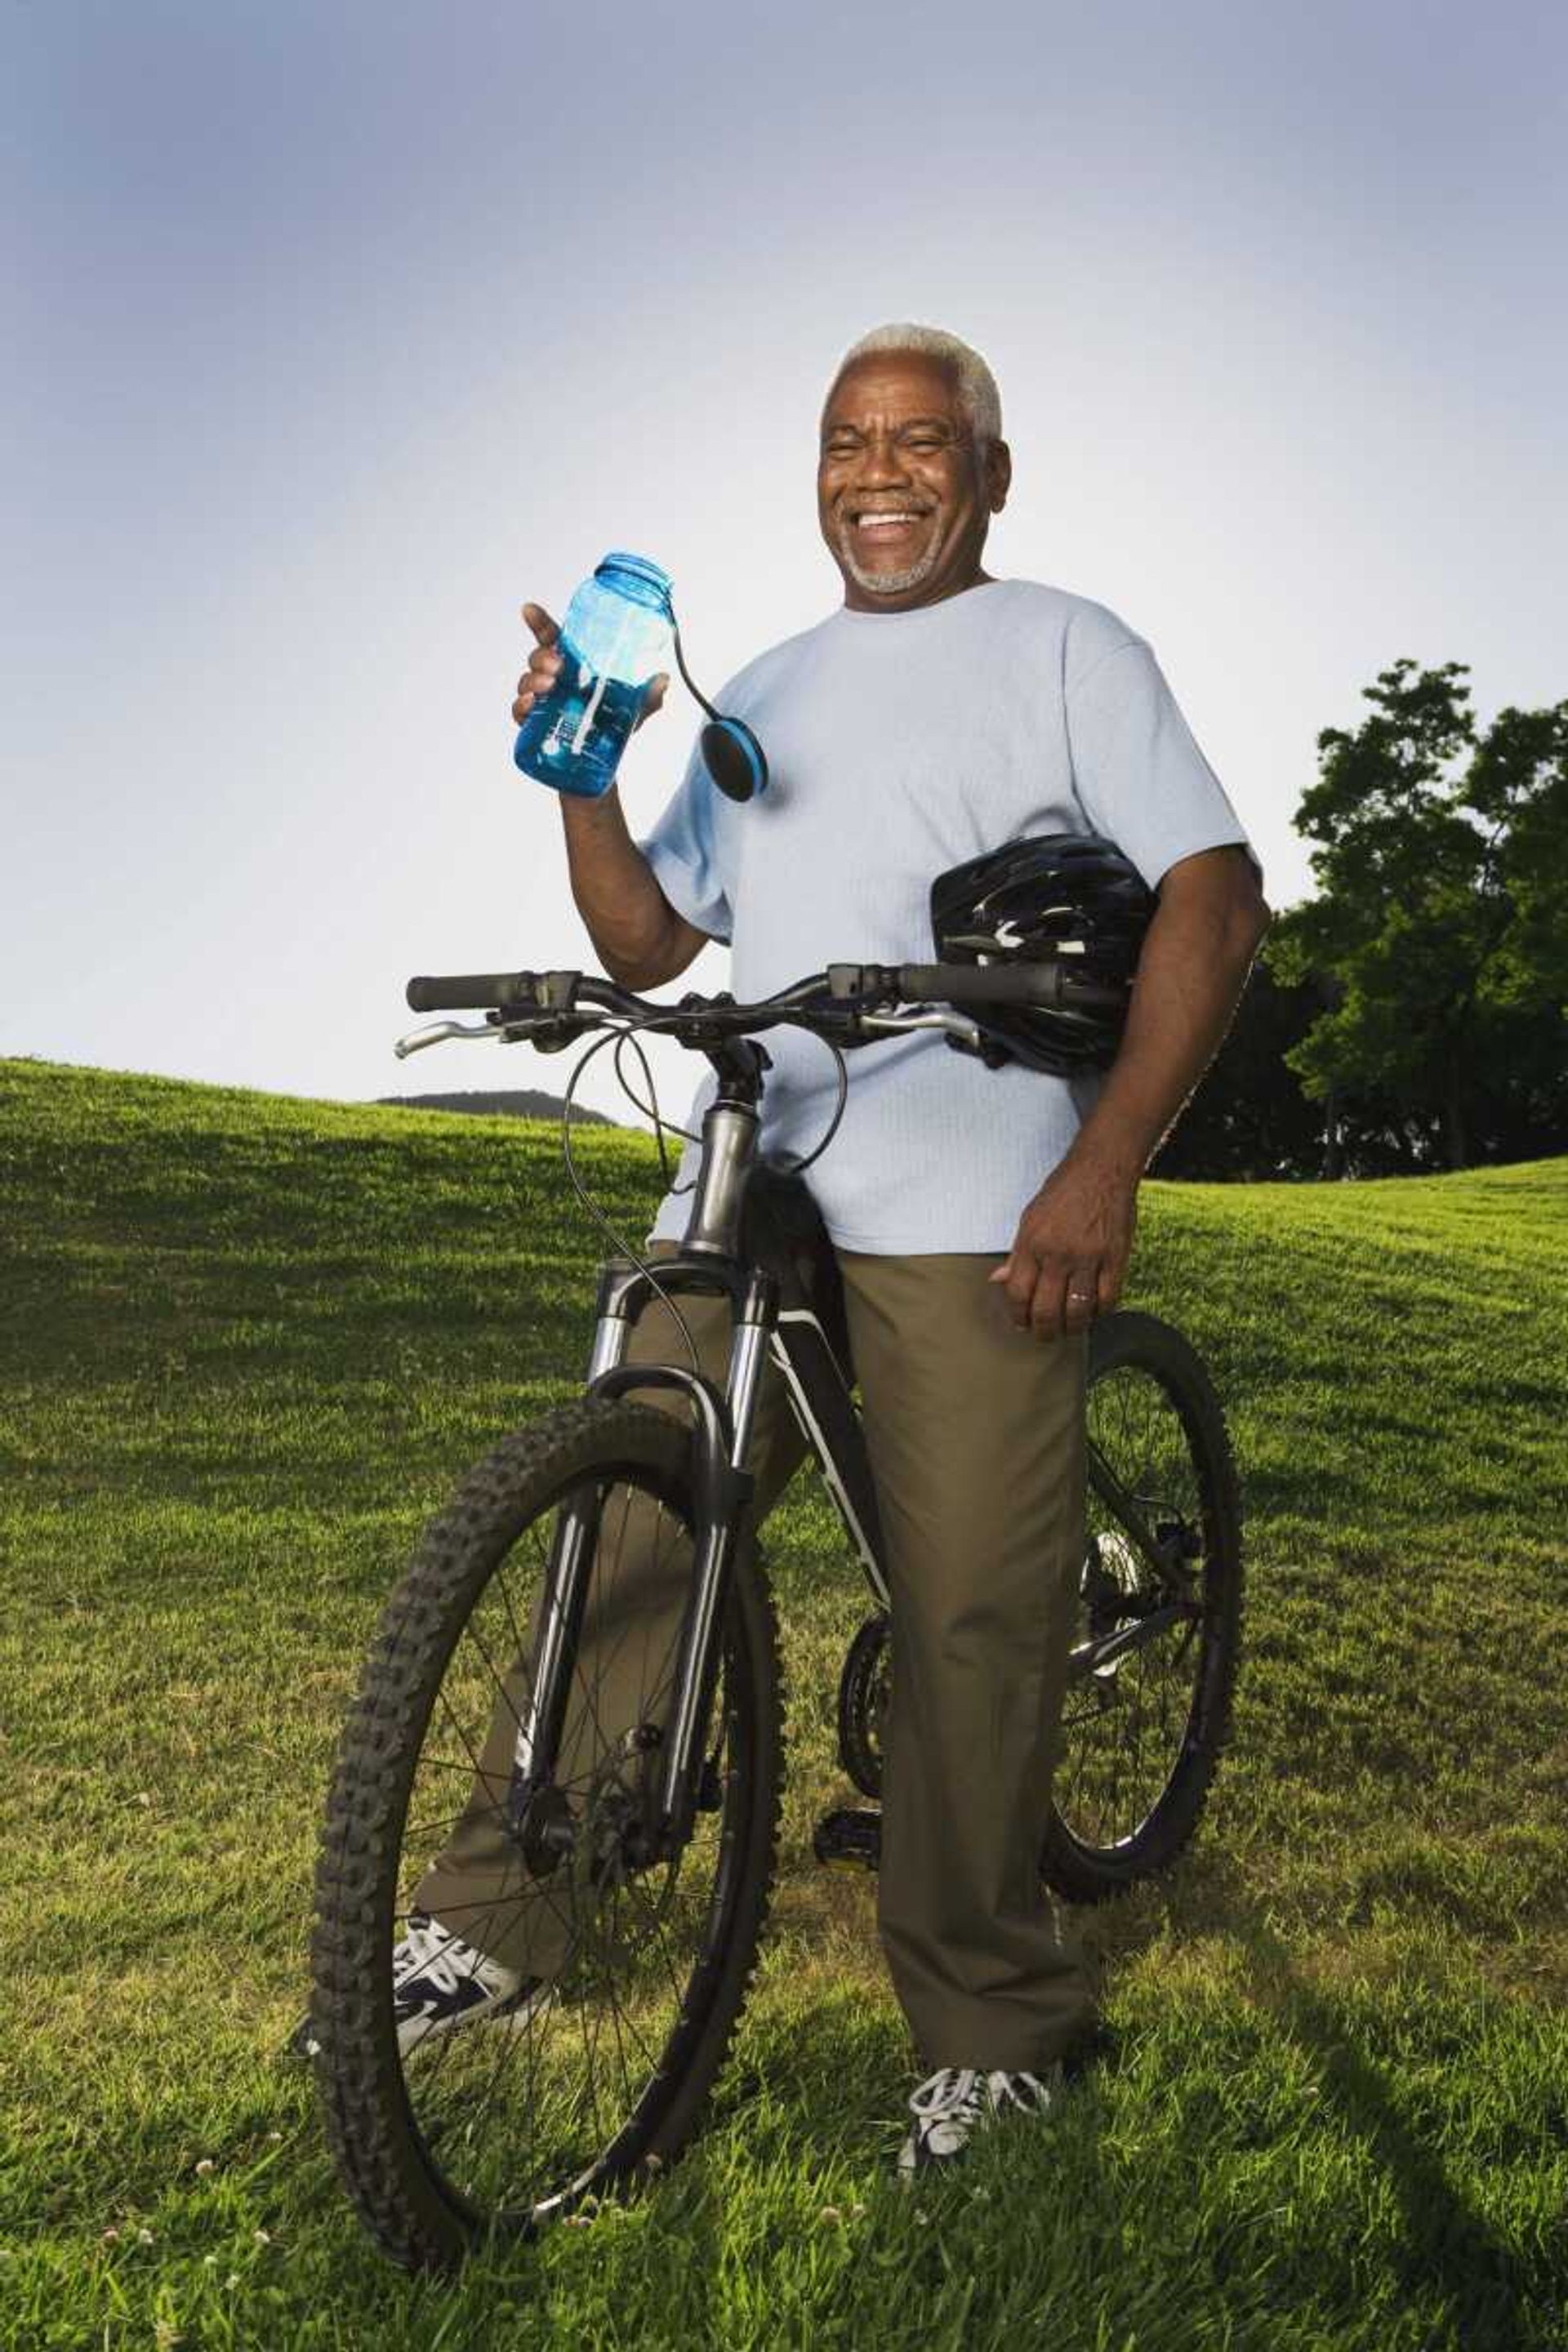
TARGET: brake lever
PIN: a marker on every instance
(436, 1033)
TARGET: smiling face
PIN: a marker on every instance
(904, 496)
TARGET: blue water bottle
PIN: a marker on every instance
(617, 633)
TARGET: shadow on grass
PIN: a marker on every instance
(1446, 2241)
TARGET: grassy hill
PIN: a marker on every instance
(249, 1342)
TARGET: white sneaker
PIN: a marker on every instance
(439, 1981)
(955, 2102)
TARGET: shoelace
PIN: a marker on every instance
(952, 2092)
(421, 1946)
(959, 2094)
(444, 1962)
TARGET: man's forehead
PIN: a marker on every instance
(904, 384)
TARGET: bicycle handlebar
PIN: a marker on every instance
(848, 986)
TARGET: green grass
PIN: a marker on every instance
(251, 1342)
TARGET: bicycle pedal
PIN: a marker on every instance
(849, 1839)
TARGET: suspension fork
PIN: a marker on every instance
(723, 1495)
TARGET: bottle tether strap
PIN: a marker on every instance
(734, 758)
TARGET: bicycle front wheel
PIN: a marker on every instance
(632, 1973)
(1157, 1639)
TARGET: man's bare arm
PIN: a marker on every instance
(1069, 1259)
(641, 940)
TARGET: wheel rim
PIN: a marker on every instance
(519, 2117)
(1128, 1719)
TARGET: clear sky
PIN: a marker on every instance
(336, 330)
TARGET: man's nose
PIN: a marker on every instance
(881, 460)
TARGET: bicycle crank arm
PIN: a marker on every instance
(1093, 1657)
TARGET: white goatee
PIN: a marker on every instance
(885, 583)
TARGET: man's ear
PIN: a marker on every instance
(998, 475)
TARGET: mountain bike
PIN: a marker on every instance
(637, 1812)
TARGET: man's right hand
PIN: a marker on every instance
(545, 664)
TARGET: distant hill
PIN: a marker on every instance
(523, 1102)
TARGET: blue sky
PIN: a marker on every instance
(340, 330)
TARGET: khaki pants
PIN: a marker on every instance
(975, 1432)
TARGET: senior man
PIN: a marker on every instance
(980, 1218)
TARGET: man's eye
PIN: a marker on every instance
(925, 444)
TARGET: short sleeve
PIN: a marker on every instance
(1140, 777)
(682, 850)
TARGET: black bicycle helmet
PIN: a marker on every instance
(1042, 897)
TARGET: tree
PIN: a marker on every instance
(1441, 931)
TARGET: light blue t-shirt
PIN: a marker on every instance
(899, 744)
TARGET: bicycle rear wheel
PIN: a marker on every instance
(642, 1968)
(1155, 1648)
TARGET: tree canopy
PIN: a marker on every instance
(1420, 998)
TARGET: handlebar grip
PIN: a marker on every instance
(469, 992)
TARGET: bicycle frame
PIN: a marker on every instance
(771, 1316)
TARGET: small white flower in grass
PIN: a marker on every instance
(143, 2237)
(276, 2137)
(204, 2167)
(209, 2262)
(109, 2236)
(263, 2237)
(830, 2213)
(233, 2279)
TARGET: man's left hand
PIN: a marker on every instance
(1069, 1259)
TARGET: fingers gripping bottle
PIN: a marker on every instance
(617, 633)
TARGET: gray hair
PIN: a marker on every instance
(978, 394)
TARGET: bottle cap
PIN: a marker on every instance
(640, 567)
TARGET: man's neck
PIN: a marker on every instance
(977, 580)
